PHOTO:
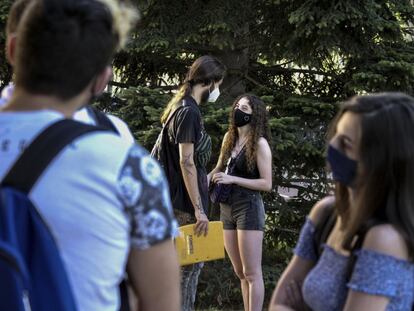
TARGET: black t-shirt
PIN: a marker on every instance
(186, 126)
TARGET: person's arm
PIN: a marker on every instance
(154, 276)
(287, 292)
(374, 279)
(220, 165)
(189, 172)
(293, 275)
(264, 164)
(152, 265)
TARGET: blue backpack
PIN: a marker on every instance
(32, 274)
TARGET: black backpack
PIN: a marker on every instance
(158, 152)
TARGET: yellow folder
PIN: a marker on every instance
(192, 248)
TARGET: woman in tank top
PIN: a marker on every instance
(246, 147)
(366, 262)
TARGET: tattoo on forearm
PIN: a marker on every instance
(187, 164)
(199, 206)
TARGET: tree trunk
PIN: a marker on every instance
(237, 63)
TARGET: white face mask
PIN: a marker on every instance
(214, 95)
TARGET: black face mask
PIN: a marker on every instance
(343, 168)
(241, 118)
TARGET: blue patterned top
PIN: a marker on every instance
(325, 287)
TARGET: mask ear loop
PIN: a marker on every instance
(212, 86)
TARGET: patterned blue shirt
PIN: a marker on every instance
(325, 287)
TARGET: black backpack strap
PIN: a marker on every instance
(37, 156)
(160, 139)
(323, 228)
(172, 116)
(102, 119)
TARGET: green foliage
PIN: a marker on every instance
(301, 57)
(222, 290)
(5, 70)
(140, 108)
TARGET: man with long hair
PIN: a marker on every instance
(187, 151)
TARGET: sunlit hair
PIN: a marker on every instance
(123, 18)
(63, 45)
(385, 179)
(259, 128)
(205, 70)
(15, 14)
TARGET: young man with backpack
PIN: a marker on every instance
(98, 204)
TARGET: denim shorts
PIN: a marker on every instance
(244, 210)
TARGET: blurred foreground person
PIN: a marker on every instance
(356, 250)
(104, 199)
(87, 114)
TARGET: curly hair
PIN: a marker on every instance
(259, 128)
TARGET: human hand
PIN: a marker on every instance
(201, 226)
(208, 179)
(222, 178)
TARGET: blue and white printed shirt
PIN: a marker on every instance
(101, 196)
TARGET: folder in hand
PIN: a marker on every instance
(192, 249)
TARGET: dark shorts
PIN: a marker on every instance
(244, 210)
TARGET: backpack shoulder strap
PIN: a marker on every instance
(172, 116)
(102, 119)
(37, 156)
(323, 227)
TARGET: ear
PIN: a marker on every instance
(102, 80)
(212, 86)
(11, 48)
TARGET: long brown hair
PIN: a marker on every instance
(259, 128)
(385, 180)
(205, 70)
